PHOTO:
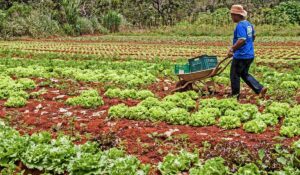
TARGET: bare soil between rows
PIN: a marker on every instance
(149, 141)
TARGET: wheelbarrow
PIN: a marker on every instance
(188, 81)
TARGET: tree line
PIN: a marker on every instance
(39, 18)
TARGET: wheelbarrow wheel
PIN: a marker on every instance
(181, 83)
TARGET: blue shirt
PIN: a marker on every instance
(244, 30)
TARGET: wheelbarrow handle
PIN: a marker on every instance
(214, 72)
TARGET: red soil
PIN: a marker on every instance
(53, 115)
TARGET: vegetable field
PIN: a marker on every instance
(103, 105)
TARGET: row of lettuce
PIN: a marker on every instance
(137, 74)
(15, 92)
(181, 108)
(132, 73)
(60, 156)
(174, 109)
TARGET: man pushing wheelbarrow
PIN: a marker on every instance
(242, 52)
(200, 68)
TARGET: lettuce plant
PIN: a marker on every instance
(229, 122)
(175, 164)
(255, 126)
(248, 169)
(87, 99)
(267, 118)
(15, 102)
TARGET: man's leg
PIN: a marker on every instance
(249, 79)
(235, 78)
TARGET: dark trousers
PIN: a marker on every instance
(240, 69)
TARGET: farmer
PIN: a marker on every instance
(242, 52)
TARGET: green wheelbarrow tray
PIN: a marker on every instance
(186, 81)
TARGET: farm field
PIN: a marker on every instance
(103, 105)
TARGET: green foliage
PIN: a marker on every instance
(294, 112)
(296, 147)
(289, 131)
(71, 10)
(249, 169)
(229, 122)
(87, 99)
(128, 93)
(11, 146)
(223, 105)
(244, 111)
(175, 164)
(140, 112)
(290, 85)
(267, 118)
(211, 166)
(255, 126)
(15, 102)
(50, 155)
(178, 116)
(183, 100)
(42, 25)
(118, 111)
(221, 17)
(202, 119)
(170, 109)
(27, 83)
(68, 29)
(112, 21)
(155, 113)
(58, 156)
(278, 109)
(291, 9)
(84, 26)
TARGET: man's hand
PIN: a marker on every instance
(230, 53)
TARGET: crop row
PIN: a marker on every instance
(57, 156)
(145, 51)
(60, 155)
(226, 113)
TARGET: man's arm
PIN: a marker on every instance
(236, 46)
(242, 36)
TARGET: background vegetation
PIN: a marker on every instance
(179, 17)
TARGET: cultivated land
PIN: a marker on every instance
(116, 92)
